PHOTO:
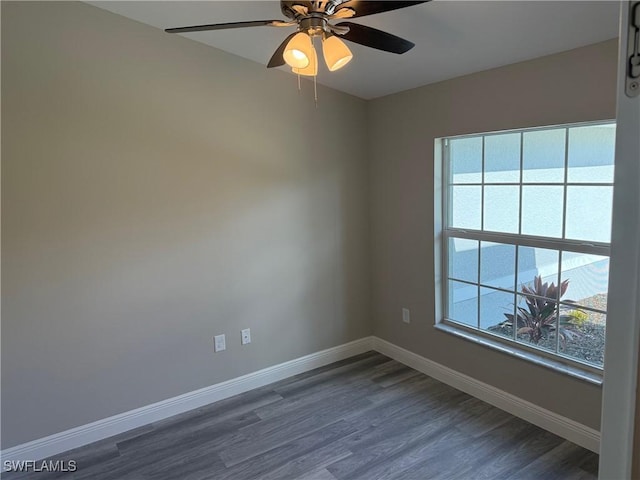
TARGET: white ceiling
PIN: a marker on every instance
(452, 38)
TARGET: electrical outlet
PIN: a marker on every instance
(406, 315)
(220, 343)
(246, 336)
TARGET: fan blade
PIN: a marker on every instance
(224, 26)
(364, 7)
(277, 59)
(374, 38)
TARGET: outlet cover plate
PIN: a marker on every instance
(245, 336)
(220, 343)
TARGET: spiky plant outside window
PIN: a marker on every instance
(539, 318)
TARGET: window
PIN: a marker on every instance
(526, 222)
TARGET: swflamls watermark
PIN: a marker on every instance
(40, 466)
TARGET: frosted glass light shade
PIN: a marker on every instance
(336, 53)
(310, 70)
(297, 52)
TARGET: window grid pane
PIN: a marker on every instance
(544, 155)
(591, 153)
(521, 211)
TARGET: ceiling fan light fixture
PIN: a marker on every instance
(336, 53)
(313, 19)
(299, 51)
(310, 70)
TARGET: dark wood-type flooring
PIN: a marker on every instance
(367, 418)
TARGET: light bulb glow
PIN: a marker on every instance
(298, 51)
(298, 55)
(336, 53)
(310, 70)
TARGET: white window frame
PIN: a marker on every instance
(443, 232)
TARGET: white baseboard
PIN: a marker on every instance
(105, 428)
(83, 435)
(564, 427)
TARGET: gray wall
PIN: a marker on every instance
(157, 192)
(573, 86)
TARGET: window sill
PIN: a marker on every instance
(555, 365)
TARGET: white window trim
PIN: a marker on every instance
(558, 363)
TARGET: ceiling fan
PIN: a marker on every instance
(313, 20)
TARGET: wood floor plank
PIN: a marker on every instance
(362, 369)
(166, 447)
(382, 447)
(190, 467)
(396, 376)
(165, 439)
(264, 435)
(451, 454)
(397, 405)
(322, 474)
(89, 455)
(561, 462)
(421, 450)
(466, 459)
(301, 405)
(476, 417)
(278, 456)
(307, 463)
(367, 417)
(227, 408)
(336, 366)
(393, 435)
(510, 460)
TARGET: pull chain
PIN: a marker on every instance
(299, 89)
(315, 90)
(315, 77)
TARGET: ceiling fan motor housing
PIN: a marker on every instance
(290, 8)
(314, 26)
